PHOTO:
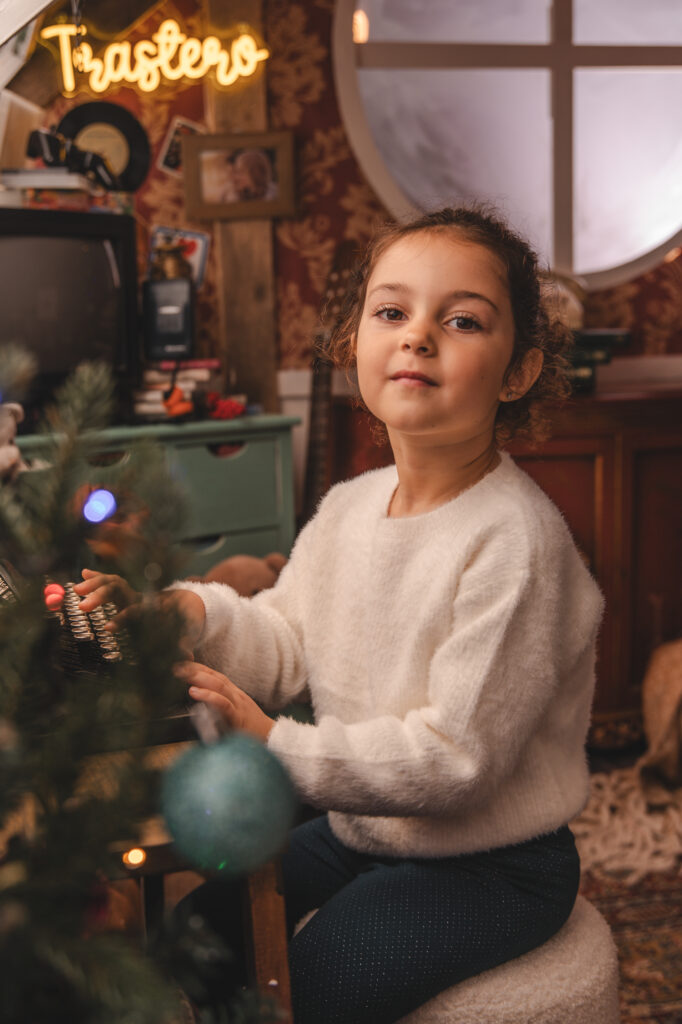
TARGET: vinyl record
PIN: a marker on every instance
(114, 133)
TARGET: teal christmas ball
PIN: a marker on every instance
(228, 805)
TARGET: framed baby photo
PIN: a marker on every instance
(238, 177)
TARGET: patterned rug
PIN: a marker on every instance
(630, 842)
(646, 921)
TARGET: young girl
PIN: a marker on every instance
(443, 624)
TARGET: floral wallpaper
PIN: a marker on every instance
(335, 203)
(650, 306)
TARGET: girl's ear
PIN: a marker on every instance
(524, 376)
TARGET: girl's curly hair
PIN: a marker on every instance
(534, 325)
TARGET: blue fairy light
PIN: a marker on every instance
(99, 506)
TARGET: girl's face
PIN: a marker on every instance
(435, 338)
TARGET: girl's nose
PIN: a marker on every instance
(418, 341)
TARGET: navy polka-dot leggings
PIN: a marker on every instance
(391, 933)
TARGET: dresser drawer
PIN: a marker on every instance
(229, 486)
(237, 477)
(201, 554)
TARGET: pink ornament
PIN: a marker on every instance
(54, 596)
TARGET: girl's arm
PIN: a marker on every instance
(521, 634)
(258, 642)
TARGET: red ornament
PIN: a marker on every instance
(223, 408)
(54, 596)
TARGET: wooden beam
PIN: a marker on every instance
(563, 157)
(244, 248)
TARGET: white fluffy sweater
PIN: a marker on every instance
(449, 658)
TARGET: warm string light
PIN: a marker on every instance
(134, 858)
(360, 26)
(169, 54)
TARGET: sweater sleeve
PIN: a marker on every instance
(258, 642)
(489, 683)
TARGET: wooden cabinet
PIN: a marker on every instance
(237, 475)
(614, 467)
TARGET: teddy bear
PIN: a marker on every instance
(11, 462)
(245, 573)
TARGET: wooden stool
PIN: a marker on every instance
(263, 914)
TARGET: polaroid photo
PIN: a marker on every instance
(193, 246)
(170, 155)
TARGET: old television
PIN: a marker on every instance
(68, 293)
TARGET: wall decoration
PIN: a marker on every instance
(194, 246)
(170, 54)
(170, 156)
(239, 176)
(114, 133)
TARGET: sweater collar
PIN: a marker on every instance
(389, 483)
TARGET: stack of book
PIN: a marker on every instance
(194, 378)
(593, 347)
(45, 177)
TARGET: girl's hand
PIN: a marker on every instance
(98, 588)
(219, 692)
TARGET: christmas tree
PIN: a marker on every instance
(76, 711)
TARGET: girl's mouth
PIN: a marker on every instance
(412, 376)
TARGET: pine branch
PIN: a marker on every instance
(73, 779)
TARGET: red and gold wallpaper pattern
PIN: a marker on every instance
(335, 203)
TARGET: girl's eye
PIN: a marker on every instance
(390, 313)
(464, 322)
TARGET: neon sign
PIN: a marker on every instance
(169, 54)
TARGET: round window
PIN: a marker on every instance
(567, 117)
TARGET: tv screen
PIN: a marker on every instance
(68, 293)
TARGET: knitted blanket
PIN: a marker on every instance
(629, 827)
(632, 824)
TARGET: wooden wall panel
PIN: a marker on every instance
(245, 248)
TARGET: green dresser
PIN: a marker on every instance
(237, 474)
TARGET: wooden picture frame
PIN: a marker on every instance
(238, 177)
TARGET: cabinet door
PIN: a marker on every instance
(577, 474)
(653, 550)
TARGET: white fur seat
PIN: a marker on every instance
(571, 979)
